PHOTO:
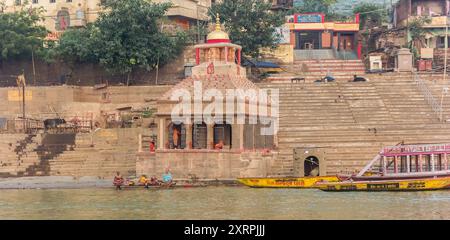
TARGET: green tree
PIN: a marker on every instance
(250, 23)
(417, 34)
(75, 46)
(319, 6)
(371, 14)
(126, 36)
(129, 36)
(20, 33)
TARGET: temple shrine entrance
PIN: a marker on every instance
(311, 166)
(308, 40)
(346, 42)
(177, 136)
(310, 162)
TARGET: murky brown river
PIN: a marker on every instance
(221, 203)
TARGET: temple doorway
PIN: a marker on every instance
(177, 136)
(199, 136)
(311, 166)
(222, 135)
(308, 40)
(347, 42)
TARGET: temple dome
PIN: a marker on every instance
(218, 35)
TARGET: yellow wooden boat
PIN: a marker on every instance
(304, 182)
(387, 185)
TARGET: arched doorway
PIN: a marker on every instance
(177, 136)
(311, 166)
(62, 20)
(199, 136)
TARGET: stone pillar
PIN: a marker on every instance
(210, 136)
(235, 141)
(161, 133)
(226, 54)
(232, 56)
(241, 137)
(188, 136)
(404, 60)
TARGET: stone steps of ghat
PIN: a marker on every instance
(394, 118)
(303, 137)
(339, 140)
(309, 118)
(329, 66)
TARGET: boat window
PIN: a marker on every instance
(390, 165)
(413, 167)
(439, 162)
(403, 166)
(426, 163)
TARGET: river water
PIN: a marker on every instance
(221, 203)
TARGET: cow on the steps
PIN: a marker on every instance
(53, 123)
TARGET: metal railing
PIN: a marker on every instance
(435, 106)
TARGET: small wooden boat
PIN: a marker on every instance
(387, 185)
(303, 182)
(400, 168)
(173, 185)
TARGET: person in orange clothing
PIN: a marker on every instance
(176, 135)
(219, 145)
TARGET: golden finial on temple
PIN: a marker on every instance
(218, 22)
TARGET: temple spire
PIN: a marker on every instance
(218, 28)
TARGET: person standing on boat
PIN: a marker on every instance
(118, 181)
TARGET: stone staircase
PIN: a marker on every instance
(352, 121)
(100, 159)
(312, 68)
(18, 155)
(89, 155)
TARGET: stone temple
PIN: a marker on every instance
(194, 138)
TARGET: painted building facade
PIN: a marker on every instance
(309, 36)
(62, 14)
(437, 10)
